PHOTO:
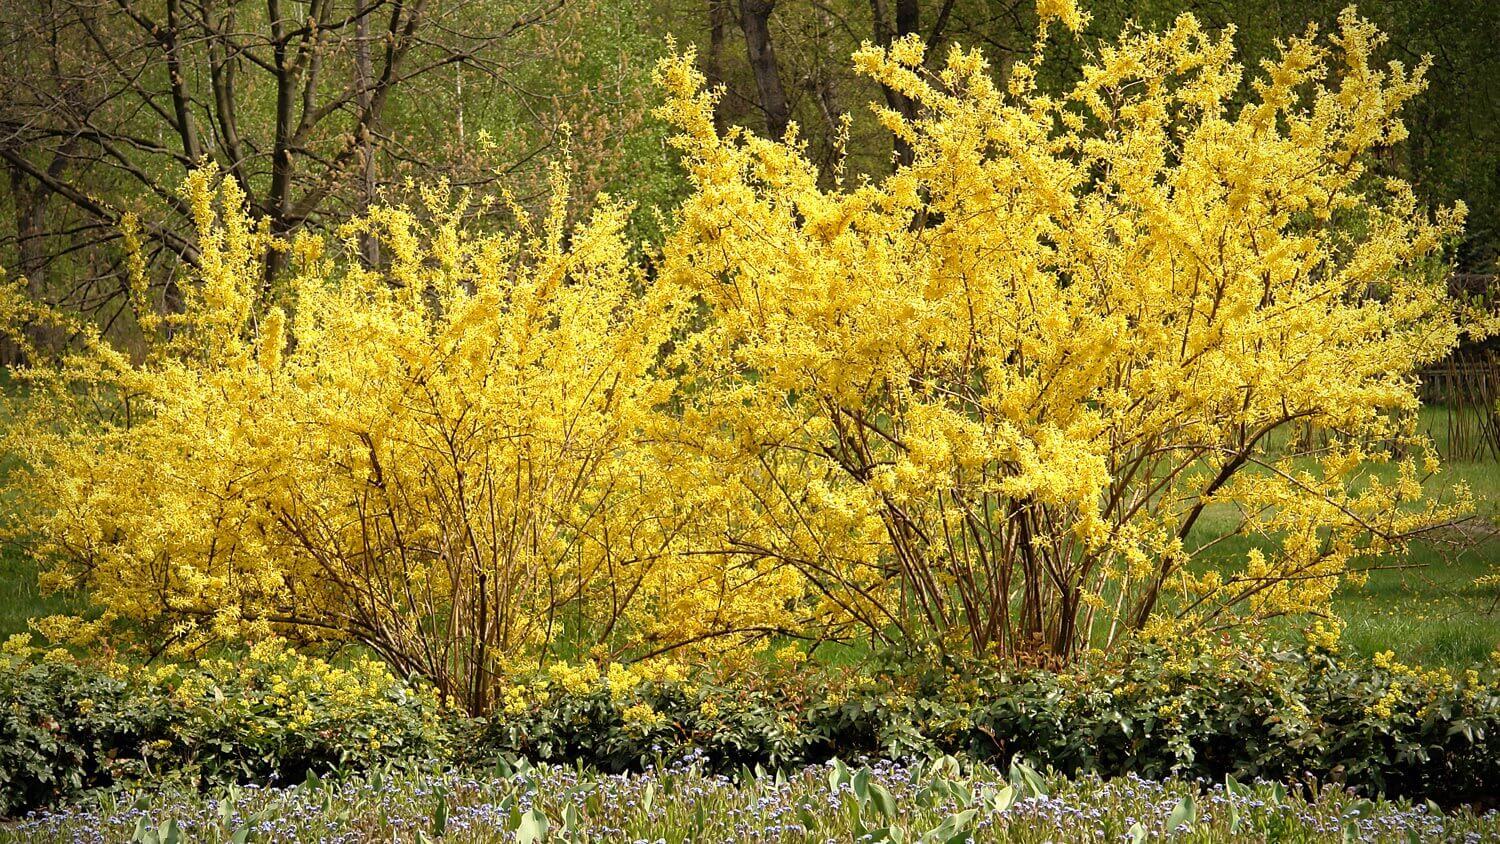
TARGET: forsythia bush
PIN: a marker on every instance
(991, 404)
(441, 460)
(1000, 398)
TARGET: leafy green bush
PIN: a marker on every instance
(625, 720)
(272, 714)
(1228, 708)
(1238, 709)
(1233, 708)
(278, 713)
(65, 727)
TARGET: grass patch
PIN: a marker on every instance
(21, 599)
(1426, 608)
(1433, 614)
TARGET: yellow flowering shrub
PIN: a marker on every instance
(442, 459)
(987, 401)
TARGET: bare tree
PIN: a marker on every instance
(110, 102)
(796, 57)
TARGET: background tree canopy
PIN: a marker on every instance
(318, 107)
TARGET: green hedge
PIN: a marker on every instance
(64, 728)
(266, 715)
(1235, 708)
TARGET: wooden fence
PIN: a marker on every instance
(1467, 386)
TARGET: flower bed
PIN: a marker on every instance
(934, 801)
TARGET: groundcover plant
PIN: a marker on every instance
(894, 802)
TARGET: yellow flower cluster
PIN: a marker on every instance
(626, 686)
(1323, 635)
(574, 680)
(641, 717)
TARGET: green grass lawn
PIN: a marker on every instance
(1435, 612)
(20, 597)
(1426, 608)
(1430, 615)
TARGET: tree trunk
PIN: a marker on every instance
(755, 20)
(718, 23)
(279, 200)
(908, 19)
(369, 245)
